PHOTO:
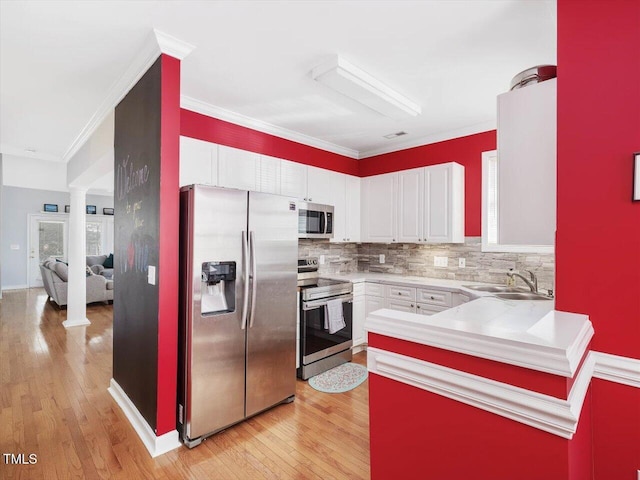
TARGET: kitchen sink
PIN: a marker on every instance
(522, 296)
(497, 288)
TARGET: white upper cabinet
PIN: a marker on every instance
(198, 162)
(293, 179)
(379, 206)
(346, 204)
(444, 203)
(269, 174)
(422, 205)
(410, 199)
(323, 185)
(352, 209)
(527, 165)
(238, 168)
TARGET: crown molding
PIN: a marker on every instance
(155, 44)
(209, 110)
(617, 369)
(428, 139)
(544, 412)
(172, 46)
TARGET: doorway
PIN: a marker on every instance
(47, 238)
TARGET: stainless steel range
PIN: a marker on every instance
(326, 310)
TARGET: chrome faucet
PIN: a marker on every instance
(532, 283)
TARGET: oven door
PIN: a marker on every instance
(316, 341)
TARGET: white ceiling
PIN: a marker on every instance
(59, 60)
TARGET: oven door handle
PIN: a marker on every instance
(312, 305)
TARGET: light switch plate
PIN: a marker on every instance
(151, 275)
(322, 259)
(382, 259)
(462, 263)
(440, 261)
(14, 246)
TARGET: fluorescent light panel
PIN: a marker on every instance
(349, 80)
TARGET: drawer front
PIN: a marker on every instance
(428, 309)
(404, 293)
(374, 289)
(358, 289)
(402, 305)
(434, 297)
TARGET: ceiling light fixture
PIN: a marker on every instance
(349, 80)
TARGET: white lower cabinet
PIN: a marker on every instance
(408, 306)
(359, 315)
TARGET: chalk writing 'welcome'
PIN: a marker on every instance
(129, 178)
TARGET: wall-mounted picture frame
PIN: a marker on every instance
(50, 208)
(91, 210)
(636, 177)
(67, 208)
(107, 211)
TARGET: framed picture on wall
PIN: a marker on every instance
(50, 207)
(636, 177)
(67, 208)
(107, 211)
(91, 210)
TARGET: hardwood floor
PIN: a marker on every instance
(55, 405)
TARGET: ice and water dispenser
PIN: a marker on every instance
(218, 288)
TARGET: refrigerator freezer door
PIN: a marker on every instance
(215, 360)
(271, 334)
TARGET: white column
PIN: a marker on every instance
(77, 286)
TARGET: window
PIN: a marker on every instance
(94, 238)
(490, 208)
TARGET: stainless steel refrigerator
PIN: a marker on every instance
(237, 335)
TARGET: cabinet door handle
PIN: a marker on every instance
(417, 306)
(432, 297)
(412, 305)
(311, 199)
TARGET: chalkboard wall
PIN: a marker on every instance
(137, 209)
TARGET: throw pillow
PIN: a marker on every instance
(108, 263)
(89, 271)
(63, 271)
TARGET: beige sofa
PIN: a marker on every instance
(56, 274)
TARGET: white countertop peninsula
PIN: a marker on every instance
(525, 333)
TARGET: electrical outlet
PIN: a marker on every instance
(440, 261)
(462, 263)
(382, 258)
(151, 275)
(322, 259)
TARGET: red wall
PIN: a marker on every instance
(419, 435)
(598, 233)
(464, 150)
(209, 129)
(168, 248)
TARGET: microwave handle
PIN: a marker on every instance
(323, 222)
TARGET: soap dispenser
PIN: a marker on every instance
(511, 281)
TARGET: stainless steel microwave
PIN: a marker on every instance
(315, 220)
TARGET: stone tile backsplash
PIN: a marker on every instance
(417, 260)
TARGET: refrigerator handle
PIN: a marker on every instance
(254, 280)
(245, 264)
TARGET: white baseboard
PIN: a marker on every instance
(155, 445)
(14, 287)
(80, 322)
(359, 348)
